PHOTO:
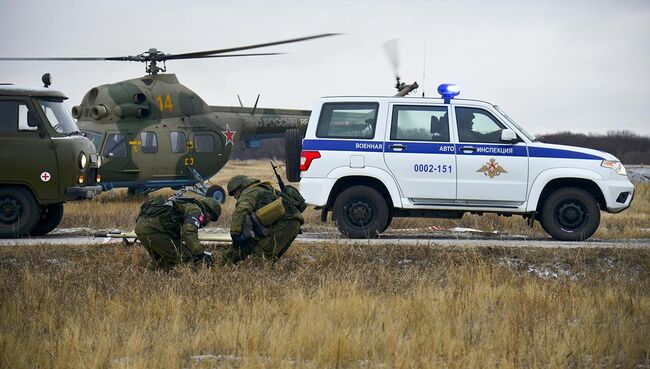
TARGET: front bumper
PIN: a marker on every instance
(618, 194)
(85, 192)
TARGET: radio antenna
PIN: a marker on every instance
(424, 69)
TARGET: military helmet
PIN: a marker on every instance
(212, 206)
(239, 182)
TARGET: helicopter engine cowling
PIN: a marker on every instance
(131, 110)
(98, 112)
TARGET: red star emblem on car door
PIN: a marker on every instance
(230, 135)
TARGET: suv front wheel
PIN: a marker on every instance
(570, 214)
(360, 212)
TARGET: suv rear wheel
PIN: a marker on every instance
(360, 212)
(292, 148)
(570, 214)
(19, 212)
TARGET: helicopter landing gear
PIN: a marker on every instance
(216, 192)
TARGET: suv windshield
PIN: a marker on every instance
(58, 116)
(512, 121)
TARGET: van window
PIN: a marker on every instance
(203, 143)
(14, 117)
(115, 146)
(420, 123)
(178, 141)
(148, 142)
(347, 120)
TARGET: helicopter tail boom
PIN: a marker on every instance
(264, 121)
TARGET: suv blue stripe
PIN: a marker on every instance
(444, 149)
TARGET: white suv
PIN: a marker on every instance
(370, 159)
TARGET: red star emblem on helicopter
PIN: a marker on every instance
(230, 135)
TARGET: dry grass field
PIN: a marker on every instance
(116, 209)
(327, 306)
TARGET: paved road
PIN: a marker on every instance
(396, 237)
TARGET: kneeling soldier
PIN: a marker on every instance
(168, 229)
(265, 221)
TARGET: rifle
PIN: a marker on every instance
(276, 165)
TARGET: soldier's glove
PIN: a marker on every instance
(204, 258)
(238, 241)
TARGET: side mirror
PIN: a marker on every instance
(508, 135)
(32, 118)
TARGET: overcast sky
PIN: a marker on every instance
(553, 66)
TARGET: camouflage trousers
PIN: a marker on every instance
(281, 235)
(165, 251)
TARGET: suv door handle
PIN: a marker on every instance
(397, 147)
(468, 149)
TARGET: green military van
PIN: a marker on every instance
(44, 161)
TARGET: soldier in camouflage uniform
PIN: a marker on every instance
(168, 230)
(251, 195)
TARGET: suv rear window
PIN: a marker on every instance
(347, 120)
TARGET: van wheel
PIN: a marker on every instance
(19, 212)
(360, 212)
(570, 214)
(51, 216)
(292, 148)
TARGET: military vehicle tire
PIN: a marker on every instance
(19, 212)
(292, 148)
(216, 192)
(570, 214)
(51, 216)
(360, 212)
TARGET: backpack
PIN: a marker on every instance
(292, 196)
(154, 207)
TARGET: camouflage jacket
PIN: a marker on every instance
(179, 218)
(256, 195)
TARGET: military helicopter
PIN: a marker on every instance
(153, 132)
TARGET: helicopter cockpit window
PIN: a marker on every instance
(115, 146)
(95, 137)
(58, 115)
(178, 141)
(149, 142)
(203, 143)
(347, 120)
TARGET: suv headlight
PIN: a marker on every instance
(83, 160)
(614, 164)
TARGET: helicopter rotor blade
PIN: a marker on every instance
(116, 58)
(228, 56)
(392, 52)
(240, 48)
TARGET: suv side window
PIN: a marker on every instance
(14, 116)
(478, 125)
(115, 146)
(347, 120)
(420, 123)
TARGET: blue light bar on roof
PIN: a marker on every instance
(448, 91)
